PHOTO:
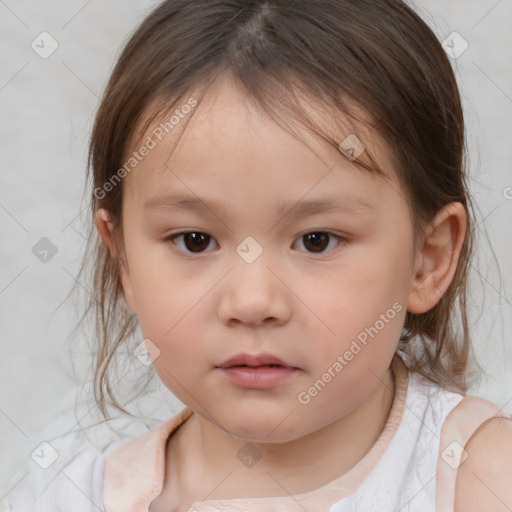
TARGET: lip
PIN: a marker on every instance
(253, 371)
(253, 360)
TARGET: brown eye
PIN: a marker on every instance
(194, 241)
(318, 241)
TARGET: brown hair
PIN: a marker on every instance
(378, 55)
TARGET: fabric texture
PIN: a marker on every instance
(73, 479)
(73, 483)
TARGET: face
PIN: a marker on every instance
(247, 264)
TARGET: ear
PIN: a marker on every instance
(106, 228)
(437, 261)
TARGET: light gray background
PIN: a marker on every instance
(47, 107)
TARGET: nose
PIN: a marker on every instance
(254, 294)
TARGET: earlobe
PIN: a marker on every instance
(437, 261)
(106, 228)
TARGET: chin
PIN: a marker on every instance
(273, 429)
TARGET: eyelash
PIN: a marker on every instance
(341, 240)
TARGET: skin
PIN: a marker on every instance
(483, 480)
(200, 309)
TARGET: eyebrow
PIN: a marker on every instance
(347, 205)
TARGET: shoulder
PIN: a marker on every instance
(64, 468)
(484, 478)
(71, 482)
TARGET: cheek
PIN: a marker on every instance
(169, 313)
(166, 312)
(159, 293)
(364, 305)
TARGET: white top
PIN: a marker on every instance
(411, 467)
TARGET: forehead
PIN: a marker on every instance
(227, 133)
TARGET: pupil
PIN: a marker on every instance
(197, 241)
(318, 240)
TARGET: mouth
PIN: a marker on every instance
(255, 361)
(251, 366)
(262, 371)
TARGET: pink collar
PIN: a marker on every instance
(133, 474)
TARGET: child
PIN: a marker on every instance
(281, 197)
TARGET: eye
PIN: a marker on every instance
(317, 241)
(194, 241)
